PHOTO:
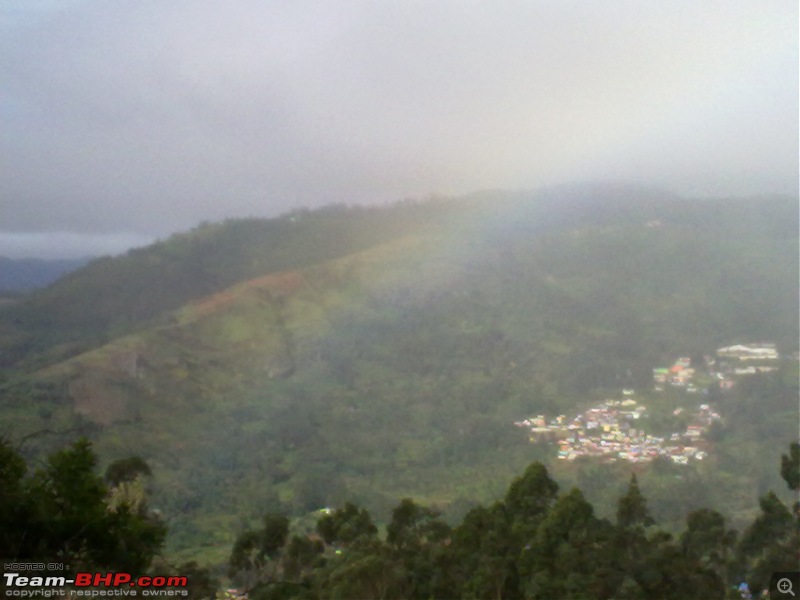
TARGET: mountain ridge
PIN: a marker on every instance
(398, 370)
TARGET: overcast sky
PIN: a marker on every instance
(126, 120)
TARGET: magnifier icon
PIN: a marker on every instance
(785, 586)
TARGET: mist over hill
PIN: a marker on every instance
(371, 354)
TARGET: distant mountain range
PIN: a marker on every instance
(369, 354)
(20, 275)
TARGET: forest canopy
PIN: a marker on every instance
(537, 542)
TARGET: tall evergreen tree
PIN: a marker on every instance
(708, 541)
(771, 543)
(632, 509)
(483, 549)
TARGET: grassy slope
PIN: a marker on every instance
(398, 370)
(114, 296)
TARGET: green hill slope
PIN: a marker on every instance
(398, 370)
(114, 296)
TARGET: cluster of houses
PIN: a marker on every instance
(758, 351)
(680, 374)
(729, 361)
(721, 369)
(612, 431)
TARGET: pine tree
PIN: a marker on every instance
(632, 509)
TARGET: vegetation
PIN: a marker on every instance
(112, 296)
(64, 512)
(535, 543)
(292, 364)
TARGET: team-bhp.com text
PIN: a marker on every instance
(110, 584)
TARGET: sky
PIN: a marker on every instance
(122, 122)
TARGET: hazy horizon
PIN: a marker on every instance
(128, 122)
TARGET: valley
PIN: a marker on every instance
(368, 355)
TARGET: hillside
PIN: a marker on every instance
(372, 354)
(113, 296)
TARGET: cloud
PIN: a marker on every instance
(151, 116)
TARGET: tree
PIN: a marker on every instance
(413, 525)
(62, 512)
(664, 571)
(790, 466)
(541, 549)
(531, 495)
(570, 548)
(482, 548)
(301, 556)
(202, 585)
(771, 542)
(255, 553)
(528, 499)
(346, 525)
(14, 506)
(270, 567)
(707, 541)
(125, 479)
(416, 535)
(366, 570)
(632, 509)
(126, 470)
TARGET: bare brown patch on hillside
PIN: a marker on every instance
(281, 284)
(93, 399)
(278, 283)
(214, 303)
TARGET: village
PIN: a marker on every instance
(721, 370)
(614, 429)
